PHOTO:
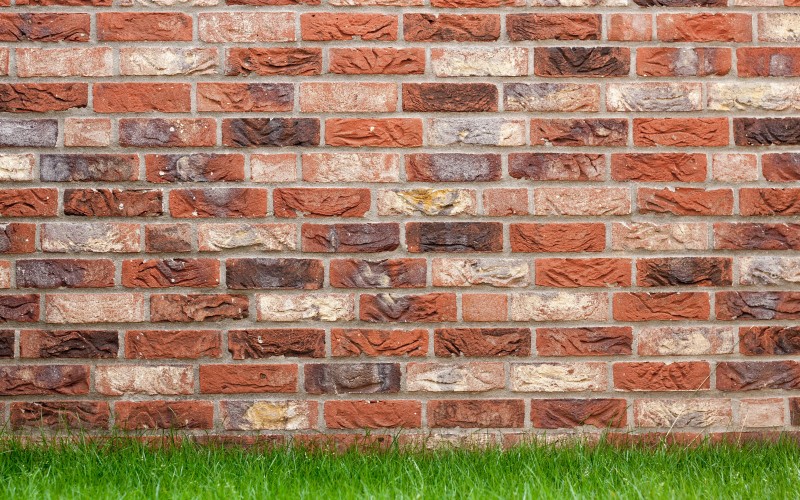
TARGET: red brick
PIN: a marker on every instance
(680, 132)
(568, 413)
(652, 376)
(49, 27)
(377, 61)
(630, 27)
(484, 307)
(264, 61)
(557, 237)
(359, 132)
(95, 344)
(583, 272)
(86, 415)
(373, 342)
(35, 202)
(144, 26)
(685, 201)
(482, 342)
(451, 27)
(450, 97)
(264, 343)
(42, 97)
(387, 273)
(241, 379)
(589, 341)
(324, 202)
(245, 97)
(172, 344)
(198, 307)
(141, 97)
(553, 26)
(471, 413)
(769, 201)
(373, 414)
(659, 167)
(432, 307)
(164, 273)
(684, 62)
(330, 26)
(705, 27)
(218, 202)
(768, 61)
(666, 306)
(164, 414)
(160, 132)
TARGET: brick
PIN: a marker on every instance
(778, 27)
(557, 237)
(376, 61)
(770, 201)
(685, 340)
(168, 238)
(263, 343)
(451, 27)
(95, 344)
(94, 308)
(87, 132)
(630, 27)
(141, 97)
(664, 306)
(757, 375)
(558, 377)
(386, 273)
(167, 61)
(502, 202)
(35, 380)
(426, 201)
(685, 271)
(145, 380)
(7, 342)
(551, 97)
(602, 272)
(592, 341)
(677, 413)
(262, 237)
(350, 167)
(358, 132)
(384, 307)
(42, 97)
(768, 340)
(352, 378)
(35, 202)
(462, 377)
(656, 376)
(164, 414)
(484, 307)
(88, 167)
(581, 61)
(172, 344)
(160, 132)
(557, 166)
(273, 168)
(579, 132)
(246, 379)
(704, 27)
(581, 201)
(26, 133)
(482, 342)
(479, 62)
(670, 61)
(317, 307)
(465, 413)
(97, 237)
(756, 236)
(373, 342)
(766, 131)
(60, 414)
(197, 307)
(271, 61)
(330, 26)
(659, 167)
(246, 27)
(346, 97)
(757, 305)
(453, 167)
(17, 238)
(112, 203)
(144, 26)
(558, 306)
(454, 237)
(685, 201)
(450, 97)
(659, 237)
(350, 238)
(197, 167)
(781, 167)
(522, 27)
(654, 97)
(769, 270)
(753, 96)
(473, 272)
(680, 132)
(67, 273)
(17, 167)
(732, 167)
(268, 415)
(44, 27)
(476, 131)
(761, 412)
(389, 414)
(218, 202)
(568, 413)
(164, 273)
(767, 61)
(80, 62)
(310, 202)
(279, 132)
(271, 274)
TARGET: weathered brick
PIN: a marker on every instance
(49, 27)
(689, 61)
(558, 306)
(330, 26)
(384, 307)
(112, 203)
(450, 97)
(567, 413)
(277, 132)
(558, 377)
(309, 202)
(160, 132)
(453, 167)
(373, 414)
(197, 307)
(271, 61)
(268, 415)
(685, 271)
(553, 26)
(261, 237)
(146, 380)
(451, 27)
(42, 97)
(373, 342)
(663, 306)
(66, 273)
(164, 414)
(756, 236)
(262, 343)
(246, 27)
(482, 342)
(360, 238)
(600, 272)
(757, 375)
(348, 97)
(386, 273)
(557, 237)
(94, 308)
(551, 97)
(685, 201)
(80, 62)
(245, 97)
(218, 202)
(267, 274)
(596, 341)
(677, 413)
(656, 376)
(557, 166)
(35, 202)
(704, 27)
(68, 344)
(575, 62)
(144, 26)
(352, 378)
(358, 132)
(86, 415)
(197, 167)
(579, 132)
(377, 61)
(172, 344)
(494, 413)
(462, 377)
(316, 307)
(242, 379)
(685, 340)
(34, 380)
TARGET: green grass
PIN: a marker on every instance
(127, 469)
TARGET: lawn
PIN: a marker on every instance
(127, 469)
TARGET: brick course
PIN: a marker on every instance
(444, 216)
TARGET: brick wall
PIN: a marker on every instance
(305, 216)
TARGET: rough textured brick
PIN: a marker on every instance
(517, 217)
